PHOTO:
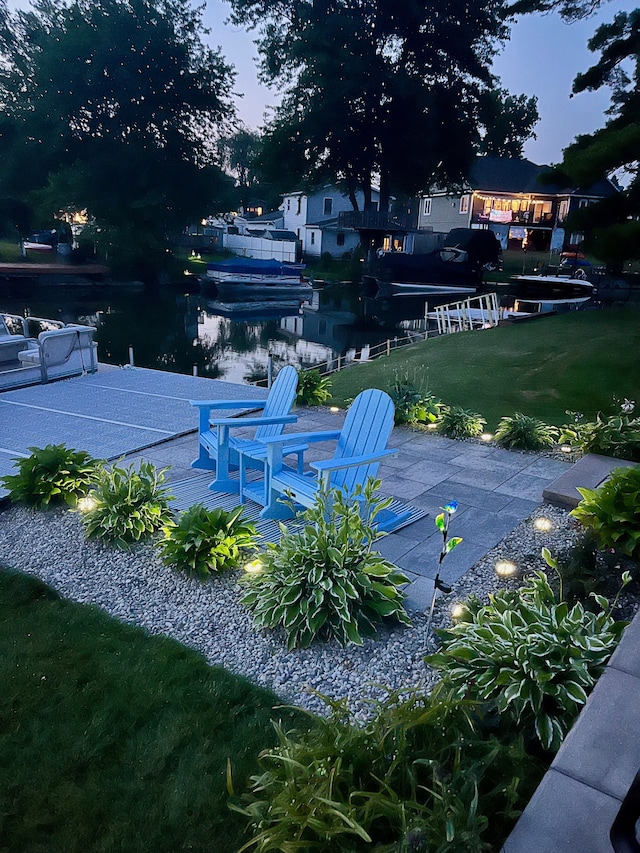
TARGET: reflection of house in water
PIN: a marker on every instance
(331, 318)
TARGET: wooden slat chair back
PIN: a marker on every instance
(218, 448)
(361, 445)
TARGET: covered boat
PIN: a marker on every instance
(237, 275)
(460, 262)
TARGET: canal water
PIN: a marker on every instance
(170, 329)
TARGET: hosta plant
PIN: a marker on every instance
(612, 512)
(420, 775)
(326, 581)
(534, 658)
(54, 474)
(413, 403)
(522, 432)
(127, 505)
(313, 389)
(202, 541)
(456, 422)
(617, 435)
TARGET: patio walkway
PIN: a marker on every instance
(140, 414)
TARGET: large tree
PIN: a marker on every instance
(506, 122)
(612, 225)
(108, 106)
(375, 91)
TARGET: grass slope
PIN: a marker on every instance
(574, 362)
(113, 740)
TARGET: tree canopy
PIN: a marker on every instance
(108, 106)
(612, 225)
(506, 122)
(375, 91)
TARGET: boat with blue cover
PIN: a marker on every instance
(249, 275)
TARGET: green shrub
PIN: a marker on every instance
(456, 422)
(612, 512)
(617, 435)
(313, 389)
(204, 541)
(582, 571)
(54, 474)
(326, 581)
(413, 403)
(522, 432)
(127, 505)
(420, 776)
(532, 657)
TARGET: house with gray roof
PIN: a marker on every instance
(508, 197)
(314, 217)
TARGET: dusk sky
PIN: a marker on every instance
(542, 58)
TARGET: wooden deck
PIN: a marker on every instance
(29, 270)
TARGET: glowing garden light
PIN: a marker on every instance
(86, 504)
(544, 525)
(254, 567)
(505, 568)
(458, 610)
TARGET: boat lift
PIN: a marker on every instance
(476, 312)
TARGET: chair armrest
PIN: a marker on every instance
(251, 422)
(307, 437)
(351, 461)
(228, 404)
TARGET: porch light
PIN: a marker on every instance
(543, 524)
(505, 569)
(254, 567)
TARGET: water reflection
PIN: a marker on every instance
(176, 331)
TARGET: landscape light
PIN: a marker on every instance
(86, 504)
(543, 524)
(334, 410)
(505, 568)
(486, 436)
(458, 610)
(565, 448)
(253, 567)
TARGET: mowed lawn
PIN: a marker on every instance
(575, 362)
(114, 740)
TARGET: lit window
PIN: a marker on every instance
(427, 207)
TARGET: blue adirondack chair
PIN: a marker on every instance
(361, 445)
(218, 448)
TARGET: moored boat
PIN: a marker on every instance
(459, 262)
(251, 275)
(527, 309)
(553, 285)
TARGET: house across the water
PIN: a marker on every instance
(507, 196)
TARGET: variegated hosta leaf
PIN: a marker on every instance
(326, 581)
(533, 657)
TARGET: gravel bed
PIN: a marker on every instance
(136, 587)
